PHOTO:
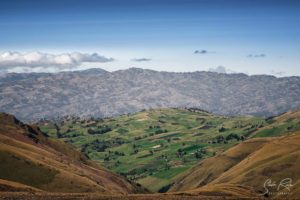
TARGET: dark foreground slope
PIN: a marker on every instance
(99, 93)
(30, 161)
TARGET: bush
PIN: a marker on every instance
(222, 129)
(96, 145)
(199, 154)
(233, 136)
(100, 130)
(219, 138)
(122, 131)
(180, 153)
(119, 153)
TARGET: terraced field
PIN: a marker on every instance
(156, 147)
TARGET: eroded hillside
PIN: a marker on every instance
(248, 166)
(31, 161)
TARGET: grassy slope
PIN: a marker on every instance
(274, 158)
(284, 124)
(12, 186)
(156, 163)
(31, 161)
(251, 163)
(30, 174)
(239, 171)
(212, 168)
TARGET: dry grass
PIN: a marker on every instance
(240, 172)
(248, 165)
(23, 145)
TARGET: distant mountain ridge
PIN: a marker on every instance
(96, 92)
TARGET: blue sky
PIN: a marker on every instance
(250, 36)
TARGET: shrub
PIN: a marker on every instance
(100, 130)
(222, 129)
(233, 136)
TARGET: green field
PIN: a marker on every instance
(155, 147)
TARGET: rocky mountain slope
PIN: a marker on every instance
(32, 162)
(99, 93)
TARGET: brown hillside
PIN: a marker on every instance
(249, 165)
(30, 161)
(10, 186)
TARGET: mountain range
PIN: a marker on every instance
(99, 93)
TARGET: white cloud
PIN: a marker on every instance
(277, 73)
(141, 59)
(10, 60)
(221, 70)
(262, 55)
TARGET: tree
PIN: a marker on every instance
(233, 136)
(222, 129)
(242, 138)
(220, 138)
(58, 134)
(180, 153)
(167, 166)
(106, 158)
(198, 155)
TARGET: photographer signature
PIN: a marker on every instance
(284, 184)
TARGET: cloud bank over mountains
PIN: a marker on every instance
(27, 61)
(36, 61)
(221, 70)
